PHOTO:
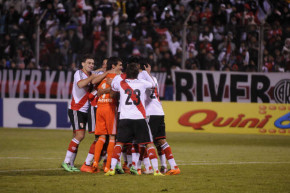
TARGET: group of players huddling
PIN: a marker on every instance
(125, 113)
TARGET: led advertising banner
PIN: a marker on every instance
(214, 117)
(46, 84)
(208, 86)
(217, 117)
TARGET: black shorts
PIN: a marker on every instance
(78, 119)
(157, 126)
(92, 119)
(130, 129)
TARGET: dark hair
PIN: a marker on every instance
(143, 62)
(134, 59)
(132, 71)
(87, 56)
(112, 61)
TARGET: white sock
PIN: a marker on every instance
(135, 158)
(146, 162)
(73, 157)
(119, 161)
(139, 164)
(114, 162)
(68, 156)
(172, 163)
(163, 160)
(89, 159)
(154, 163)
(129, 160)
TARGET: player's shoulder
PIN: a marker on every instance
(78, 71)
(142, 73)
(143, 81)
(111, 75)
(119, 77)
(123, 75)
(79, 74)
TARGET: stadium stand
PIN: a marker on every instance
(221, 34)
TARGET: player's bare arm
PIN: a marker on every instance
(113, 94)
(84, 82)
(99, 78)
(103, 91)
(100, 70)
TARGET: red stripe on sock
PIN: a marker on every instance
(92, 148)
(73, 147)
(117, 152)
(152, 153)
(168, 153)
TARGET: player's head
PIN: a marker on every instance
(143, 62)
(132, 71)
(88, 62)
(134, 59)
(104, 63)
(114, 63)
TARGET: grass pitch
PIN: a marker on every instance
(30, 162)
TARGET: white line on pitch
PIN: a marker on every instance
(231, 163)
(31, 170)
(28, 158)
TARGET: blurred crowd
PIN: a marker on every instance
(220, 34)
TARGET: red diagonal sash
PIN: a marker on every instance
(140, 106)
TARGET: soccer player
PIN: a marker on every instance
(106, 115)
(156, 122)
(78, 108)
(133, 150)
(93, 97)
(132, 123)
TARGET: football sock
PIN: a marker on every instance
(129, 155)
(90, 156)
(142, 151)
(146, 161)
(73, 157)
(135, 155)
(119, 161)
(124, 154)
(153, 157)
(72, 149)
(98, 148)
(168, 153)
(162, 157)
(116, 156)
(110, 151)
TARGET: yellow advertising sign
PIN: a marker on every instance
(217, 117)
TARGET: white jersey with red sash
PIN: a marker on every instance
(132, 97)
(152, 104)
(79, 101)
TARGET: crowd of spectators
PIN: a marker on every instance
(220, 34)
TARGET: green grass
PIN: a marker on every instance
(30, 162)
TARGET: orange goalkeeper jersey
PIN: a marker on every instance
(106, 99)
